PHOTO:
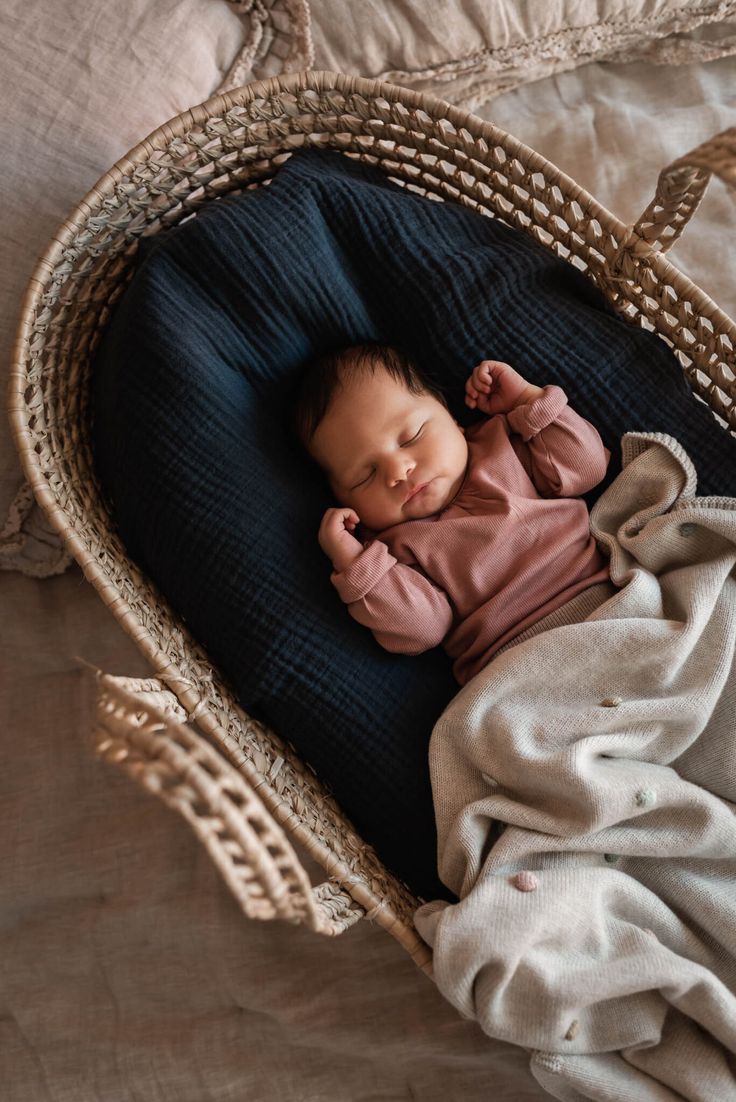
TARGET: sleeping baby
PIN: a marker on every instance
(472, 536)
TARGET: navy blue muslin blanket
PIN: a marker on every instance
(216, 504)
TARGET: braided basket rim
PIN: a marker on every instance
(366, 878)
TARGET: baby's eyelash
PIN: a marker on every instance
(414, 437)
(366, 479)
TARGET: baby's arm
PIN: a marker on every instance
(406, 612)
(561, 452)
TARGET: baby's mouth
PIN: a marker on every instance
(417, 490)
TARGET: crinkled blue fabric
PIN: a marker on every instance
(214, 501)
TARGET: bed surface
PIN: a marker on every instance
(128, 971)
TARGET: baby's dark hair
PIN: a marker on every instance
(325, 373)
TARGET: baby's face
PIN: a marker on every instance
(389, 454)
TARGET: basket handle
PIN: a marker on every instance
(138, 727)
(680, 187)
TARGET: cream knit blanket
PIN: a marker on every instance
(584, 788)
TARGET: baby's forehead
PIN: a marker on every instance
(361, 414)
(378, 380)
(378, 401)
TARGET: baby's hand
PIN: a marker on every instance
(495, 387)
(335, 537)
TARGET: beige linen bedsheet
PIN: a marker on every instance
(127, 970)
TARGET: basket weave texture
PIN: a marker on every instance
(235, 141)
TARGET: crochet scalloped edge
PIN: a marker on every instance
(265, 30)
(664, 51)
(27, 543)
(570, 44)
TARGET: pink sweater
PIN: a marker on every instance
(512, 546)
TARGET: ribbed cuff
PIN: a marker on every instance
(363, 572)
(530, 418)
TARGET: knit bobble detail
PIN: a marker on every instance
(525, 881)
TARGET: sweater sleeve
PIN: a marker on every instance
(563, 454)
(406, 612)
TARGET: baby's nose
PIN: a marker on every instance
(401, 470)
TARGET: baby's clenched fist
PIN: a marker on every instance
(336, 538)
(495, 387)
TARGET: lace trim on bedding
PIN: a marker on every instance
(28, 543)
(682, 52)
(280, 41)
(652, 39)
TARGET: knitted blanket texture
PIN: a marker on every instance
(584, 785)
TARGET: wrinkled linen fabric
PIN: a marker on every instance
(613, 128)
(80, 85)
(584, 787)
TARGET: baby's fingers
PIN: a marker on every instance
(476, 390)
(330, 520)
(482, 376)
(336, 520)
(486, 369)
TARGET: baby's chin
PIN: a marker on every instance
(413, 510)
(422, 513)
(378, 524)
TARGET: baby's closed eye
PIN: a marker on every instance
(416, 436)
(367, 478)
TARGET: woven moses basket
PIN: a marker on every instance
(243, 790)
